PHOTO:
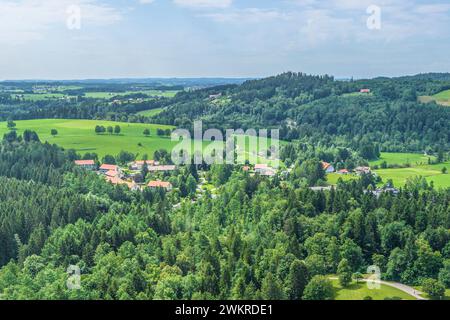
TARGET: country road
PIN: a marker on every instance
(400, 286)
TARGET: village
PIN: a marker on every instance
(132, 177)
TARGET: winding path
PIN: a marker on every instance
(400, 286)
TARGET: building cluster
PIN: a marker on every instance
(358, 170)
(131, 176)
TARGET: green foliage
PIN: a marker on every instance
(344, 273)
(319, 288)
(433, 288)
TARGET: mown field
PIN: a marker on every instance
(358, 291)
(150, 113)
(108, 95)
(418, 167)
(95, 95)
(80, 135)
(442, 98)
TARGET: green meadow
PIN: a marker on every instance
(40, 96)
(151, 112)
(418, 167)
(358, 291)
(108, 95)
(442, 98)
(80, 136)
(95, 95)
(402, 158)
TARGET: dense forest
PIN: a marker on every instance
(255, 237)
(260, 238)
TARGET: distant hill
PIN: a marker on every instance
(323, 109)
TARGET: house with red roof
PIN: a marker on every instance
(160, 184)
(364, 91)
(264, 170)
(327, 167)
(85, 164)
(139, 164)
(343, 171)
(104, 168)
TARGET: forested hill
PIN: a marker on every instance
(322, 109)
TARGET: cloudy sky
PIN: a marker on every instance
(77, 39)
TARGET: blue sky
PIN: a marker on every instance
(230, 38)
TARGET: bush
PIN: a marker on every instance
(433, 288)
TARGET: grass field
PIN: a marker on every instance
(402, 158)
(41, 96)
(332, 178)
(418, 167)
(358, 291)
(150, 113)
(442, 98)
(80, 135)
(95, 95)
(108, 95)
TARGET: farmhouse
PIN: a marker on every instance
(264, 170)
(117, 181)
(364, 91)
(162, 168)
(327, 167)
(138, 165)
(104, 168)
(86, 164)
(362, 170)
(112, 173)
(343, 171)
(215, 96)
(160, 184)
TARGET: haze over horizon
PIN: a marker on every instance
(220, 38)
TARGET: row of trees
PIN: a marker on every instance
(110, 129)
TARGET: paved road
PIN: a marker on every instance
(400, 286)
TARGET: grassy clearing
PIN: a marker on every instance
(151, 113)
(40, 96)
(108, 95)
(358, 291)
(332, 178)
(442, 98)
(80, 136)
(402, 158)
(418, 167)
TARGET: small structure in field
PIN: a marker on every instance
(364, 91)
(343, 171)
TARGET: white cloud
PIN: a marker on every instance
(249, 15)
(146, 1)
(201, 4)
(28, 20)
